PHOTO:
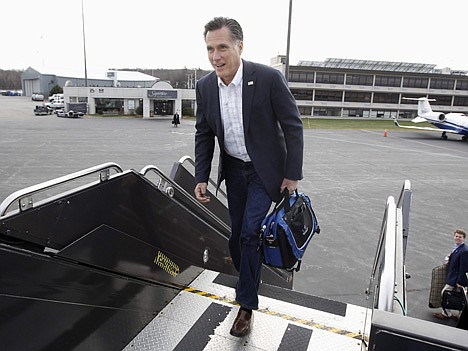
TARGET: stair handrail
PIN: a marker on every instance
(170, 192)
(24, 196)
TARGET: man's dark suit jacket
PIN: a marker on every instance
(458, 267)
(272, 127)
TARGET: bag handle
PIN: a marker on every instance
(285, 200)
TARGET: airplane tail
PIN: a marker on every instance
(423, 106)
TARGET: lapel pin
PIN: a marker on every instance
(250, 82)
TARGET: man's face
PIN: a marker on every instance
(458, 238)
(224, 54)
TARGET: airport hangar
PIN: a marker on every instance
(334, 88)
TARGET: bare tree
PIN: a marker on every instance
(10, 79)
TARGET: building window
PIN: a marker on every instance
(304, 77)
(383, 114)
(356, 112)
(407, 114)
(413, 82)
(302, 94)
(442, 100)
(305, 110)
(328, 95)
(359, 79)
(386, 98)
(329, 78)
(327, 112)
(462, 84)
(107, 105)
(387, 81)
(446, 84)
(357, 96)
(460, 101)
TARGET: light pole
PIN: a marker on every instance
(84, 46)
(286, 69)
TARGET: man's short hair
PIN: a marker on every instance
(230, 23)
(460, 231)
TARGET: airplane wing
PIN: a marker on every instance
(425, 128)
(418, 120)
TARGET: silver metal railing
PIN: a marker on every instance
(188, 159)
(25, 198)
(169, 187)
(388, 279)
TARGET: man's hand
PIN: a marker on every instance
(200, 193)
(290, 184)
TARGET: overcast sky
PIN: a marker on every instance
(47, 35)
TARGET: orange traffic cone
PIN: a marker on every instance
(385, 133)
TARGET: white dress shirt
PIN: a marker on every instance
(230, 98)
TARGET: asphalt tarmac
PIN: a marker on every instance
(348, 175)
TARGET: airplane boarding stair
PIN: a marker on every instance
(103, 256)
(131, 261)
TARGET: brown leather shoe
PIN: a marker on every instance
(242, 324)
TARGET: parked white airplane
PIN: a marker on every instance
(456, 123)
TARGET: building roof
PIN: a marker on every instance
(134, 76)
(370, 65)
(101, 74)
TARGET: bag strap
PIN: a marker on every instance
(286, 205)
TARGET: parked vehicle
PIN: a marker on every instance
(11, 93)
(56, 97)
(41, 110)
(57, 104)
(72, 114)
(37, 97)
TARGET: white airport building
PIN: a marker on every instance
(159, 100)
(346, 88)
(113, 92)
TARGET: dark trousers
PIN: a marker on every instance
(248, 204)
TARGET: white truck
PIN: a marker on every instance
(56, 101)
(56, 97)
